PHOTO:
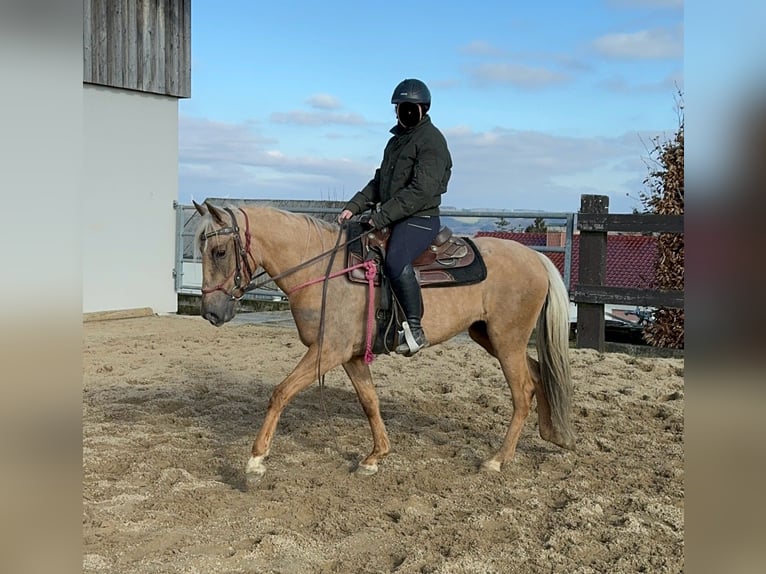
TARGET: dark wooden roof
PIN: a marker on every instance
(142, 45)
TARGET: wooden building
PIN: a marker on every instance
(136, 66)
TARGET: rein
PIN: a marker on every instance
(255, 285)
(243, 252)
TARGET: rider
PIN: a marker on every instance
(407, 186)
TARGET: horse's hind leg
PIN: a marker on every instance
(359, 373)
(516, 371)
(304, 373)
(478, 332)
(521, 398)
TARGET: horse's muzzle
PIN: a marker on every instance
(217, 310)
(214, 318)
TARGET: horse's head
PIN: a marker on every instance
(226, 262)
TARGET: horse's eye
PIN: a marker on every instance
(219, 253)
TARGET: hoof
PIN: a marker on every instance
(564, 440)
(491, 466)
(366, 469)
(255, 470)
(252, 480)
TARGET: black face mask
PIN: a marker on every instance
(409, 114)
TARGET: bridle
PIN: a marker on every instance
(241, 257)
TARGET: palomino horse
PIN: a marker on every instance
(522, 288)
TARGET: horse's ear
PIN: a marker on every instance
(200, 209)
(216, 213)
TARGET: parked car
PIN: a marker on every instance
(622, 323)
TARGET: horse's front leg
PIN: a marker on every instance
(304, 373)
(359, 373)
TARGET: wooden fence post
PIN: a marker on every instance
(592, 271)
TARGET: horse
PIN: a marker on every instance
(522, 290)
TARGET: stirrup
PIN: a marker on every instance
(411, 345)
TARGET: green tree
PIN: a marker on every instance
(538, 226)
(502, 224)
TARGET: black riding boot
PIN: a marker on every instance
(407, 291)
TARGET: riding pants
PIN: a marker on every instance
(409, 238)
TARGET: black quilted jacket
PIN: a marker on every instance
(411, 178)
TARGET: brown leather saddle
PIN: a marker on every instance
(449, 260)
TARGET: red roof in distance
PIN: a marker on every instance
(630, 259)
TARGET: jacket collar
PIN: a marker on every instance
(398, 130)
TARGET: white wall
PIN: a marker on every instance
(130, 180)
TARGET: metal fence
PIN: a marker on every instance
(188, 268)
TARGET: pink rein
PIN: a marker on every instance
(370, 270)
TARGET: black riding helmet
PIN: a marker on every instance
(412, 100)
(413, 91)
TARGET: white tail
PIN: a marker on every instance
(553, 353)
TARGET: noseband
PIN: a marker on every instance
(241, 256)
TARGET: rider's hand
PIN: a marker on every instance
(344, 215)
(367, 222)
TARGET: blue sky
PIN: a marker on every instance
(540, 102)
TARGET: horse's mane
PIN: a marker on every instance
(206, 222)
(322, 223)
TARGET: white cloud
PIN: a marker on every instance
(218, 159)
(298, 117)
(670, 84)
(658, 43)
(480, 48)
(207, 139)
(324, 102)
(509, 169)
(499, 169)
(517, 75)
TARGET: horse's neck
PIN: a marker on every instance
(284, 241)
